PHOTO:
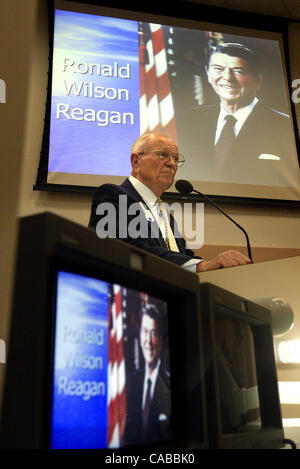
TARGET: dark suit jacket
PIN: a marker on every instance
(265, 131)
(159, 422)
(109, 193)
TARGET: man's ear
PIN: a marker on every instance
(259, 81)
(134, 160)
(207, 74)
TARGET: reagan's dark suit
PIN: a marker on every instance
(159, 425)
(265, 132)
(109, 193)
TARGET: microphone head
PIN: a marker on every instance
(183, 186)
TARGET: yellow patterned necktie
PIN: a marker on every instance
(170, 240)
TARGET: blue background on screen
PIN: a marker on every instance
(81, 146)
(79, 410)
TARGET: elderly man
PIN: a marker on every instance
(241, 140)
(154, 160)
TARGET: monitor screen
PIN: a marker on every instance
(116, 74)
(240, 407)
(243, 404)
(109, 341)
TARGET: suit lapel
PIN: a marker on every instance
(251, 127)
(133, 194)
(130, 190)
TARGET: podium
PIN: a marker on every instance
(271, 278)
(276, 278)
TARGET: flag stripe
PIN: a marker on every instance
(156, 103)
(116, 371)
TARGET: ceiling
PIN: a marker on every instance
(283, 8)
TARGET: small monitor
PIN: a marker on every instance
(243, 400)
(92, 321)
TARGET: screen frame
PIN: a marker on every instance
(185, 11)
(271, 434)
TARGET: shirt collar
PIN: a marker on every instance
(240, 114)
(154, 373)
(147, 195)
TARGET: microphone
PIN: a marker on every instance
(185, 187)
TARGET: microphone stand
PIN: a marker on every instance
(233, 221)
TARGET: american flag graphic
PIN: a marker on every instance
(156, 103)
(116, 369)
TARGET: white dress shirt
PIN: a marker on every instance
(150, 200)
(240, 115)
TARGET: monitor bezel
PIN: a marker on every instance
(67, 260)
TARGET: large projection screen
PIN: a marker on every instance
(116, 74)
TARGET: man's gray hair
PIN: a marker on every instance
(142, 142)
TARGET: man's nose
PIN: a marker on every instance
(148, 337)
(171, 161)
(227, 73)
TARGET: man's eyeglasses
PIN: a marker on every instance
(166, 155)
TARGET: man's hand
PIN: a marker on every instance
(226, 259)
